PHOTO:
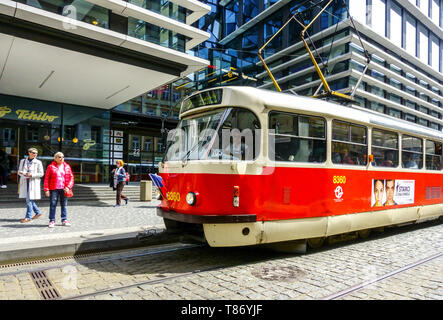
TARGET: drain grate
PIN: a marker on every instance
(44, 286)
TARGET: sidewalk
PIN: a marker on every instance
(95, 225)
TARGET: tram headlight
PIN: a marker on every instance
(191, 198)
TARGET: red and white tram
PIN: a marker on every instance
(317, 169)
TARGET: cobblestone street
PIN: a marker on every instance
(252, 273)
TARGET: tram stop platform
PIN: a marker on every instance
(95, 226)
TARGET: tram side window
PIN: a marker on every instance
(385, 148)
(349, 143)
(434, 155)
(412, 152)
(297, 138)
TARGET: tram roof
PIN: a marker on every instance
(250, 97)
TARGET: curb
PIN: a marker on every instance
(79, 243)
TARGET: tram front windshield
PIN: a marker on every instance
(223, 134)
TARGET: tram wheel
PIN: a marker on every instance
(315, 243)
(363, 234)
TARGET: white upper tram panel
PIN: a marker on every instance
(256, 99)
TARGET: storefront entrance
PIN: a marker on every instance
(17, 137)
(81, 133)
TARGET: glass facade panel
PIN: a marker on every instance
(81, 133)
(165, 8)
(145, 31)
(250, 10)
(79, 10)
(86, 142)
(231, 17)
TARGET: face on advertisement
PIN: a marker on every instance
(378, 192)
(390, 188)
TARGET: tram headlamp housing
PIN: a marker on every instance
(191, 198)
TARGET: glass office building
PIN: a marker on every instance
(404, 78)
(65, 64)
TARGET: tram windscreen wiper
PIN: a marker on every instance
(185, 157)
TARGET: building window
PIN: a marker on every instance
(411, 35)
(424, 7)
(422, 122)
(395, 25)
(423, 44)
(435, 53)
(394, 113)
(395, 83)
(409, 117)
(357, 10)
(378, 107)
(395, 98)
(410, 104)
(435, 11)
(379, 16)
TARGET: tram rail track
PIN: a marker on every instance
(149, 282)
(154, 257)
(365, 284)
(85, 256)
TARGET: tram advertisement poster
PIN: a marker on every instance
(390, 192)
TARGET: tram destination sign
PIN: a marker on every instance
(202, 99)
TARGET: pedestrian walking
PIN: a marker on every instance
(4, 169)
(119, 182)
(30, 171)
(58, 180)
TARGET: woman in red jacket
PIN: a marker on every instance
(58, 180)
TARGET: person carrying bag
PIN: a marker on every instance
(30, 171)
(59, 181)
(119, 182)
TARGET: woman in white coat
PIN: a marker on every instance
(30, 171)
